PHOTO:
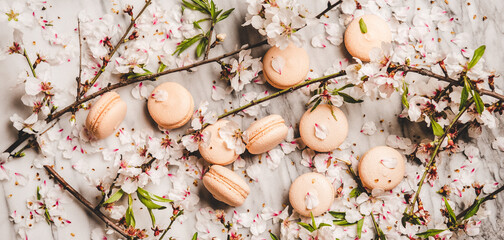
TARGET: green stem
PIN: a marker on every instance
(434, 154)
(172, 220)
(209, 39)
(29, 63)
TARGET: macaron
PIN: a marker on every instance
(321, 131)
(265, 133)
(311, 193)
(381, 167)
(226, 186)
(106, 115)
(359, 44)
(216, 151)
(284, 68)
(170, 105)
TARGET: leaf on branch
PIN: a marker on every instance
(362, 25)
(319, 100)
(115, 197)
(436, 128)
(337, 215)
(224, 15)
(349, 99)
(355, 192)
(404, 97)
(360, 223)
(451, 214)
(343, 223)
(306, 226)
(130, 217)
(478, 53)
(195, 236)
(186, 43)
(480, 106)
(273, 236)
(464, 96)
(411, 219)
(201, 47)
(474, 209)
(38, 193)
(151, 196)
(148, 202)
(430, 233)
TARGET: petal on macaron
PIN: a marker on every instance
(320, 131)
(278, 63)
(389, 162)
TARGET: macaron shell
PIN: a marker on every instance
(297, 65)
(311, 182)
(176, 111)
(266, 133)
(216, 152)
(374, 174)
(106, 115)
(226, 186)
(360, 44)
(337, 129)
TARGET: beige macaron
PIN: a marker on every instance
(106, 115)
(170, 105)
(359, 44)
(216, 151)
(320, 131)
(226, 186)
(381, 167)
(285, 68)
(265, 134)
(311, 192)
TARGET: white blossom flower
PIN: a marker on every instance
(369, 128)
(17, 15)
(202, 115)
(244, 69)
(232, 136)
(30, 125)
(142, 91)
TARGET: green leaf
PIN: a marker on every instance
(338, 215)
(381, 235)
(212, 10)
(474, 209)
(464, 96)
(273, 236)
(151, 196)
(224, 15)
(355, 192)
(451, 214)
(345, 87)
(349, 99)
(195, 236)
(314, 225)
(343, 223)
(362, 25)
(204, 6)
(153, 218)
(148, 202)
(130, 217)
(115, 197)
(48, 217)
(360, 223)
(436, 128)
(323, 225)
(404, 98)
(38, 193)
(201, 47)
(306, 226)
(480, 106)
(316, 104)
(192, 6)
(161, 67)
(411, 219)
(430, 233)
(478, 53)
(186, 43)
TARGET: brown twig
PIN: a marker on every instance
(329, 7)
(78, 79)
(207, 51)
(84, 201)
(422, 71)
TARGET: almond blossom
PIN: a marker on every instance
(232, 136)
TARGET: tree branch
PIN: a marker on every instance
(84, 201)
(422, 71)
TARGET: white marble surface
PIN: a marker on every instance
(272, 188)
